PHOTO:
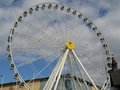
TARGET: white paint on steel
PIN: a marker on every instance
(55, 72)
(84, 69)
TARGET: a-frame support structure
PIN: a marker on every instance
(54, 78)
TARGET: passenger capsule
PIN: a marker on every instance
(85, 19)
(12, 66)
(30, 11)
(56, 6)
(8, 48)
(94, 28)
(74, 12)
(105, 46)
(22, 84)
(80, 16)
(37, 8)
(16, 76)
(25, 14)
(62, 8)
(49, 6)
(9, 57)
(20, 19)
(68, 10)
(16, 24)
(43, 6)
(89, 24)
(98, 34)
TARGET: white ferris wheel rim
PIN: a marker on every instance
(65, 9)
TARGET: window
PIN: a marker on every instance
(68, 84)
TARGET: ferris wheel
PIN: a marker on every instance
(53, 40)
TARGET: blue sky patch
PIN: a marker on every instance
(10, 3)
(103, 12)
(17, 3)
(65, 1)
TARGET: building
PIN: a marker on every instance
(39, 83)
(115, 79)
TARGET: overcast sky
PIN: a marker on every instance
(104, 13)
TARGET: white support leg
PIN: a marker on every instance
(60, 72)
(55, 72)
(73, 81)
(104, 85)
(58, 78)
(84, 69)
(80, 85)
(84, 81)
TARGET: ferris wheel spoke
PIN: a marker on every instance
(73, 28)
(32, 64)
(84, 48)
(77, 32)
(46, 62)
(56, 50)
(74, 74)
(29, 61)
(53, 36)
(82, 76)
(28, 56)
(84, 53)
(22, 35)
(60, 27)
(47, 58)
(85, 70)
(45, 24)
(43, 33)
(46, 67)
(66, 27)
(83, 39)
(37, 71)
(57, 28)
(33, 68)
(90, 54)
(87, 54)
(29, 26)
(93, 62)
(37, 48)
(27, 36)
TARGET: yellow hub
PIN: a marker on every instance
(70, 44)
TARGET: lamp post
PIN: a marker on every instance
(2, 76)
